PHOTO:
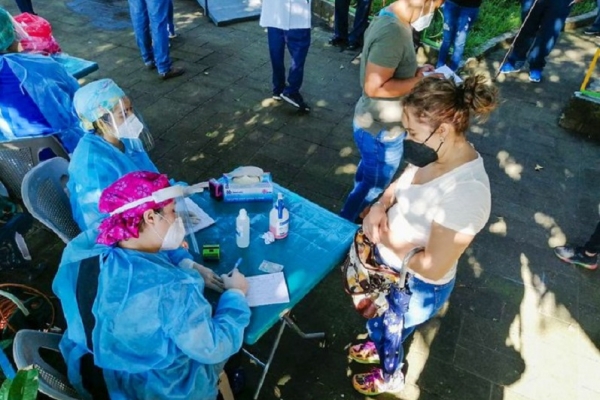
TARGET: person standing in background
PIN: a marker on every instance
(543, 20)
(340, 24)
(459, 17)
(594, 29)
(288, 23)
(388, 71)
(150, 20)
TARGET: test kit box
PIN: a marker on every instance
(238, 188)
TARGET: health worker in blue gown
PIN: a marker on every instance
(115, 144)
(154, 335)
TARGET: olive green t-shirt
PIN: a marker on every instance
(389, 44)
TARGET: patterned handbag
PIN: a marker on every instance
(366, 280)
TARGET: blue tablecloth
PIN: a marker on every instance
(317, 242)
(78, 67)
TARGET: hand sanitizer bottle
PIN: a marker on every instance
(279, 219)
(242, 229)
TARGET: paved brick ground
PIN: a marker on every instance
(520, 325)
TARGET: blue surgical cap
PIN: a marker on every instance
(96, 99)
(7, 30)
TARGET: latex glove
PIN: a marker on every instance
(211, 280)
(235, 280)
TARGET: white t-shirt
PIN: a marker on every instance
(285, 14)
(459, 200)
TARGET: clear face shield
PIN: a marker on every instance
(124, 124)
(184, 220)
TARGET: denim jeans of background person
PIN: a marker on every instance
(585, 256)
(388, 71)
(538, 35)
(340, 24)
(459, 17)
(171, 21)
(288, 24)
(150, 20)
(594, 29)
(25, 6)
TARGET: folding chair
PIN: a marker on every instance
(45, 197)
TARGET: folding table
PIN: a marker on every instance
(317, 242)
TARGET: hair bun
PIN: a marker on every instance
(480, 97)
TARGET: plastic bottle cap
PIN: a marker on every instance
(243, 213)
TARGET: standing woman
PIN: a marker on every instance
(440, 202)
(459, 17)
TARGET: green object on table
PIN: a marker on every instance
(211, 252)
(318, 241)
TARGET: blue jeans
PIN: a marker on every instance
(596, 25)
(298, 42)
(25, 6)
(457, 22)
(540, 32)
(171, 19)
(379, 162)
(149, 19)
(361, 20)
(426, 301)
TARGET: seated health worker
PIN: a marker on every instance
(36, 92)
(114, 146)
(154, 336)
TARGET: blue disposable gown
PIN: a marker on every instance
(95, 165)
(156, 336)
(52, 89)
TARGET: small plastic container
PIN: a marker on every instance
(242, 229)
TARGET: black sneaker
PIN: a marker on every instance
(276, 96)
(354, 46)
(576, 256)
(296, 100)
(338, 42)
(592, 32)
(172, 73)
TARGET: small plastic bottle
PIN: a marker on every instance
(279, 219)
(242, 229)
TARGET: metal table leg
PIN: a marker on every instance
(285, 320)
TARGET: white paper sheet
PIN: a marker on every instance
(447, 72)
(267, 289)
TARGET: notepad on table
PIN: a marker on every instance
(267, 289)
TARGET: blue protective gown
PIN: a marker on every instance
(51, 88)
(155, 335)
(95, 165)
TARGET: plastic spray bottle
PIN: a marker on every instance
(279, 219)
(242, 229)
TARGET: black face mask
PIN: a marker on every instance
(419, 154)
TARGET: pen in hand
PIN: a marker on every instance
(237, 264)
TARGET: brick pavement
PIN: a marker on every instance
(520, 325)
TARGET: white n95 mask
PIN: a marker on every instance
(422, 22)
(131, 128)
(175, 235)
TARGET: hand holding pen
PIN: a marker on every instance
(235, 279)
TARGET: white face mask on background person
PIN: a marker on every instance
(175, 235)
(131, 128)
(423, 21)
